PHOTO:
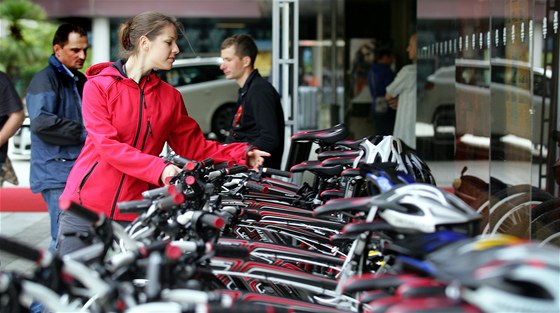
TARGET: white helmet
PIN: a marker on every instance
(426, 208)
(519, 278)
(382, 149)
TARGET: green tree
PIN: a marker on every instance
(28, 43)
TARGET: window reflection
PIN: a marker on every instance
(485, 97)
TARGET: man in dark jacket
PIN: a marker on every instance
(379, 77)
(11, 116)
(258, 116)
(54, 104)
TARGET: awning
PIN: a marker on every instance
(127, 8)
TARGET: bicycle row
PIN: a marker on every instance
(370, 233)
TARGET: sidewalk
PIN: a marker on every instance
(32, 228)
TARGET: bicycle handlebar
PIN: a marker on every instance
(193, 166)
(180, 161)
(134, 206)
(256, 186)
(81, 211)
(273, 171)
(228, 171)
(24, 251)
(212, 220)
(160, 192)
(170, 201)
(196, 217)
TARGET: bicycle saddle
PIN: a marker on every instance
(323, 137)
(337, 153)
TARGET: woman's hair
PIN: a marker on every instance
(149, 24)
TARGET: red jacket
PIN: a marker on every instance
(127, 125)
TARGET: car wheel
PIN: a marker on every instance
(221, 121)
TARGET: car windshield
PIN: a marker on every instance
(186, 75)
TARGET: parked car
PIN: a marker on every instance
(438, 95)
(210, 98)
(494, 97)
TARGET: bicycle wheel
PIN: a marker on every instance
(549, 234)
(485, 203)
(545, 213)
(512, 215)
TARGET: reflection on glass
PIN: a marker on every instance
(484, 102)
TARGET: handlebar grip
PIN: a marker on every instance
(207, 162)
(159, 245)
(170, 201)
(256, 186)
(228, 171)
(212, 220)
(134, 206)
(159, 192)
(193, 166)
(251, 214)
(79, 210)
(194, 184)
(273, 171)
(222, 165)
(237, 169)
(20, 249)
(229, 251)
(179, 161)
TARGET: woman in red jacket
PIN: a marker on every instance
(129, 113)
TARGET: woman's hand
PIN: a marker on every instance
(169, 172)
(256, 158)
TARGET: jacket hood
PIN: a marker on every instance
(103, 69)
(115, 70)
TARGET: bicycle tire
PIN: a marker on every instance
(503, 195)
(546, 212)
(549, 234)
(513, 216)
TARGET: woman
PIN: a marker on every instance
(129, 113)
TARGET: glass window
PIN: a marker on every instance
(181, 76)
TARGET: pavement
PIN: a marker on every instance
(30, 228)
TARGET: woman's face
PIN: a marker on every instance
(163, 49)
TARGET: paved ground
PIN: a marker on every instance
(30, 228)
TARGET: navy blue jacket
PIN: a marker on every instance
(54, 105)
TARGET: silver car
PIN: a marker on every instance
(210, 98)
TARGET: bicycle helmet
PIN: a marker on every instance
(521, 278)
(417, 167)
(382, 177)
(380, 149)
(425, 208)
(457, 260)
(420, 245)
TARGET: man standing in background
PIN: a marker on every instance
(11, 116)
(258, 116)
(379, 77)
(54, 104)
